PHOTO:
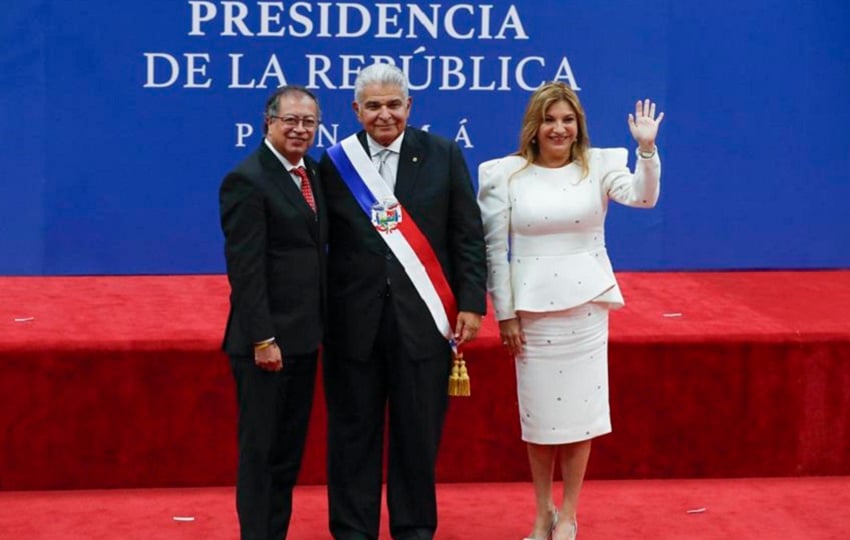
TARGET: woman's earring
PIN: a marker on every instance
(534, 140)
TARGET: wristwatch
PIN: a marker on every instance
(647, 155)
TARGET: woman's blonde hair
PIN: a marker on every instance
(539, 102)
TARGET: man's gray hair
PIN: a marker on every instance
(381, 74)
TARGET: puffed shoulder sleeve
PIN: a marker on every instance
(639, 189)
(495, 215)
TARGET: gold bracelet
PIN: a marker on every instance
(263, 345)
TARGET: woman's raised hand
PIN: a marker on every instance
(644, 125)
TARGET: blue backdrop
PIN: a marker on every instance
(119, 119)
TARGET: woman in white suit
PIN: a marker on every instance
(552, 283)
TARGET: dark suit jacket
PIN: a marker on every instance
(275, 251)
(433, 186)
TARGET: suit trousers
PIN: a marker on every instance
(361, 393)
(274, 410)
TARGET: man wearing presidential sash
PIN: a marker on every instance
(406, 283)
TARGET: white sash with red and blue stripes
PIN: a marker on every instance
(407, 242)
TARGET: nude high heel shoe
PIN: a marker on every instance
(551, 527)
(572, 531)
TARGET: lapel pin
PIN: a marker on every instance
(415, 159)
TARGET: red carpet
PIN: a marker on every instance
(117, 382)
(788, 509)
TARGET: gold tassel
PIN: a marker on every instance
(464, 388)
(454, 378)
(459, 379)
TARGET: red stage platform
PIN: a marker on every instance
(118, 382)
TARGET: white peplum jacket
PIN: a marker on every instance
(545, 228)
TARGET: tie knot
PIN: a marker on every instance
(300, 172)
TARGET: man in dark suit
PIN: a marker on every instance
(384, 350)
(273, 218)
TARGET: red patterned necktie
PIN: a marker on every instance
(306, 190)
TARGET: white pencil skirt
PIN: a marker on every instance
(562, 375)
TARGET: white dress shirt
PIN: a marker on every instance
(287, 165)
(390, 162)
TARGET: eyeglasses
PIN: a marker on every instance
(291, 121)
